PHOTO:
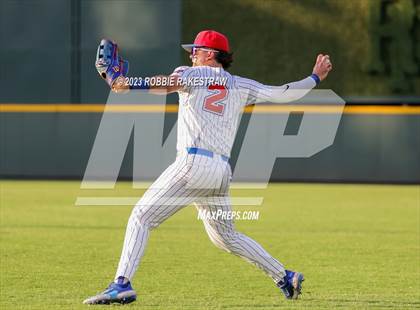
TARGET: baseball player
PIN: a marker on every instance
(207, 122)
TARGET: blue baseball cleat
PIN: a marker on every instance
(115, 293)
(291, 285)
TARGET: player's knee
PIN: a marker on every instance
(140, 214)
(220, 244)
(225, 241)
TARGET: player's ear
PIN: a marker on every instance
(211, 55)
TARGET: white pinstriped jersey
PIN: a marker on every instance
(208, 115)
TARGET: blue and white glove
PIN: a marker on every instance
(109, 65)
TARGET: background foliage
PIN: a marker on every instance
(276, 41)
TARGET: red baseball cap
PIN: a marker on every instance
(210, 39)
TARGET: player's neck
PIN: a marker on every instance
(211, 63)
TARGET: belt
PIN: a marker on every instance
(198, 151)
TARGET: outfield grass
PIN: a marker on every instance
(358, 246)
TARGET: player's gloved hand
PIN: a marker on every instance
(110, 66)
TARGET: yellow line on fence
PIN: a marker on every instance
(173, 108)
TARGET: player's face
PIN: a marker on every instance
(200, 56)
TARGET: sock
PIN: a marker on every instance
(121, 280)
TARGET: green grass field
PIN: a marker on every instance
(358, 246)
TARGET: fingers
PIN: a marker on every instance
(326, 62)
(319, 57)
(329, 64)
(322, 66)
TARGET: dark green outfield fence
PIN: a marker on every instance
(50, 48)
(367, 148)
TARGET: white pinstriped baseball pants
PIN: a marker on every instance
(191, 179)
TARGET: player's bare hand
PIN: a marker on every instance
(120, 86)
(322, 66)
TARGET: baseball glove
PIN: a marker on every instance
(109, 64)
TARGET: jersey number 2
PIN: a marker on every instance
(213, 103)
